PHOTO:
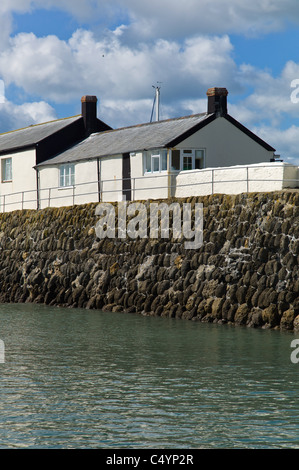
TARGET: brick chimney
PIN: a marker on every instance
(217, 101)
(89, 113)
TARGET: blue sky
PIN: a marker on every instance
(53, 52)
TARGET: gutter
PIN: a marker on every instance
(37, 188)
(99, 179)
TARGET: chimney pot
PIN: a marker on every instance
(89, 99)
(217, 101)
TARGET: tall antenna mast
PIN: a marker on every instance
(156, 102)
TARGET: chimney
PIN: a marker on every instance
(217, 101)
(89, 113)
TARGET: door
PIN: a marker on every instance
(126, 177)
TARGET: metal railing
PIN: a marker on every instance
(71, 195)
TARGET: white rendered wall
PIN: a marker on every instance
(111, 178)
(237, 179)
(20, 193)
(84, 191)
(148, 185)
(86, 188)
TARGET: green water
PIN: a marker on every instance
(90, 379)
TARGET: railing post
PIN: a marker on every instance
(4, 203)
(247, 180)
(212, 181)
(22, 200)
(73, 195)
(49, 198)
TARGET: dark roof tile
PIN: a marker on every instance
(129, 139)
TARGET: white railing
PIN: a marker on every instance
(175, 184)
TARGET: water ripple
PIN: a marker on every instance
(80, 379)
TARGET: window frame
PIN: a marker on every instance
(187, 160)
(70, 174)
(189, 153)
(152, 156)
(4, 177)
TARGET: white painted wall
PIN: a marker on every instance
(21, 191)
(86, 188)
(86, 182)
(84, 191)
(226, 145)
(111, 178)
(237, 179)
(149, 185)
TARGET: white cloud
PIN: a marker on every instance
(285, 141)
(60, 70)
(184, 45)
(14, 116)
(270, 98)
(39, 65)
(36, 112)
(174, 18)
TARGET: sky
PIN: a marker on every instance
(52, 52)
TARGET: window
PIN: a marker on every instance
(6, 169)
(155, 161)
(175, 160)
(164, 160)
(199, 159)
(67, 175)
(187, 159)
(148, 162)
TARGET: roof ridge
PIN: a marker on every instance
(153, 123)
(38, 124)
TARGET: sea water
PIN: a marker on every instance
(74, 379)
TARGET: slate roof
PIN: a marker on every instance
(132, 139)
(32, 135)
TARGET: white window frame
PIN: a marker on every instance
(191, 153)
(154, 155)
(67, 175)
(154, 158)
(6, 170)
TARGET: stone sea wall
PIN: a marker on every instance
(245, 273)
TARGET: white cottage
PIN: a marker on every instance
(81, 159)
(153, 160)
(23, 149)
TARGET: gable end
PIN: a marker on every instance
(189, 132)
(250, 134)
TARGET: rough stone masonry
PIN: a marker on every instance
(245, 273)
